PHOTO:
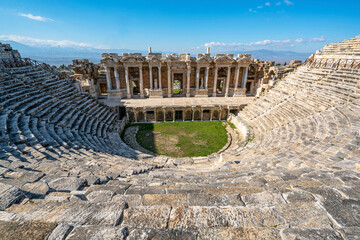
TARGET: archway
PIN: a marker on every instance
(188, 115)
(140, 116)
(169, 116)
(206, 115)
(197, 116)
(215, 115)
(160, 116)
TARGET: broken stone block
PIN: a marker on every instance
(67, 183)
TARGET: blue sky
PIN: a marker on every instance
(181, 26)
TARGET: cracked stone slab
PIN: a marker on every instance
(310, 234)
(215, 217)
(263, 199)
(98, 232)
(60, 232)
(163, 199)
(151, 233)
(77, 213)
(9, 195)
(146, 217)
(25, 230)
(67, 183)
(240, 233)
(215, 200)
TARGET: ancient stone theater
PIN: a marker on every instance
(290, 168)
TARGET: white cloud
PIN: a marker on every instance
(278, 4)
(251, 10)
(267, 4)
(260, 7)
(46, 43)
(286, 42)
(37, 18)
(287, 2)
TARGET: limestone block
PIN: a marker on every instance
(262, 199)
(310, 234)
(9, 195)
(100, 196)
(98, 232)
(60, 232)
(67, 183)
(36, 188)
(146, 217)
(150, 233)
(214, 200)
(163, 199)
(240, 233)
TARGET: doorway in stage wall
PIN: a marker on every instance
(178, 84)
(135, 87)
(220, 85)
(103, 88)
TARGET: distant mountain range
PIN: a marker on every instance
(65, 55)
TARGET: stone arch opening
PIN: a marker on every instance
(197, 116)
(140, 116)
(160, 116)
(188, 115)
(169, 116)
(206, 115)
(215, 115)
(224, 114)
(150, 116)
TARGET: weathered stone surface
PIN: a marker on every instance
(36, 188)
(163, 199)
(262, 199)
(303, 215)
(132, 200)
(298, 196)
(100, 196)
(25, 230)
(67, 184)
(351, 233)
(215, 217)
(310, 234)
(60, 232)
(9, 195)
(214, 200)
(241, 233)
(144, 190)
(98, 232)
(77, 213)
(146, 217)
(118, 189)
(150, 233)
(345, 212)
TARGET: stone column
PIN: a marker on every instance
(108, 78)
(151, 77)
(144, 112)
(220, 111)
(192, 114)
(188, 80)
(207, 78)
(244, 78)
(211, 114)
(201, 114)
(127, 82)
(227, 82)
(237, 71)
(135, 115)
(155, 112)
(197, 77)
(215, 81)
(169, 80)
(159, 71)
(117, 79)
(141, 82)
(183, 115)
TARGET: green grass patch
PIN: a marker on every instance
(182, 139)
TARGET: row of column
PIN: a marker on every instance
(158, 82)
(144, 112)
